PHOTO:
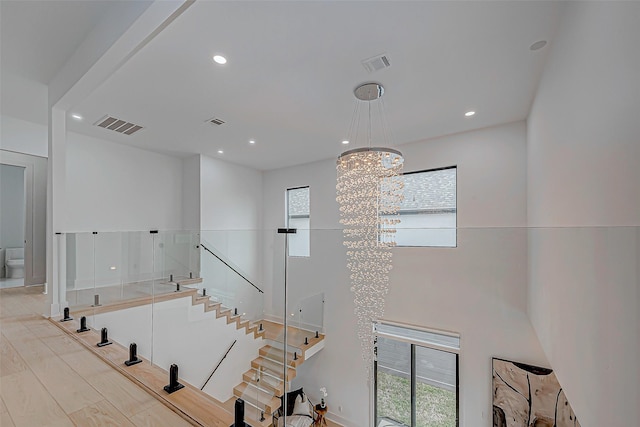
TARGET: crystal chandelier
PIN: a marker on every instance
(369, 192)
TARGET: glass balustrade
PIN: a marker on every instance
(216, 302)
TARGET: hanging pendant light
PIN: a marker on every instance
(369, 192)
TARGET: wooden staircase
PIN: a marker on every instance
(264, 384)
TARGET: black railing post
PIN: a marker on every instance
(83, 325)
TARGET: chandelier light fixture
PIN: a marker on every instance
(369, 192)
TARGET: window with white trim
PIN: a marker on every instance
(298, 217)
(416, 377)
(428, 213)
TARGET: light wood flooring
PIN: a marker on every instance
(48, 379)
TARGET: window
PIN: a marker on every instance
(298, 217)
(428, 212)
(416, 377)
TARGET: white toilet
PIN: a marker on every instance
(14, 262)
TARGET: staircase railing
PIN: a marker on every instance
(228, 264)
(219, 363)
(227, 283)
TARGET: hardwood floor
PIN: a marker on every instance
(48, 379)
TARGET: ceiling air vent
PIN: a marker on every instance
(216, 121)
(376, 63)
(118, 125)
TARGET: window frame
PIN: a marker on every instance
(456, 196)
(288, 217)
(413, 343)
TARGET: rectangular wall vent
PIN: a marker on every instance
(216, 121)
(118, 125)
(376, 63)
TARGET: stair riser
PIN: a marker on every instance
(275, 390)
(274, 373)
(275, 356)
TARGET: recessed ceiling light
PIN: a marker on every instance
(220, 152)
(77, 116)
(469, 113)
(251, 141)
(345, 142)
(538, 45)
(220, 59)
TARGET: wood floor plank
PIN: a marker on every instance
(13, 329)
(29, 403)
(10, 360)
(158, 415)
(62, 344)
(5, 420)
(122, 393)
(101, 414)
(44, 330)
(68, 388)
(85, 363)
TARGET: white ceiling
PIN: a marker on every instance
(37, 37)
(293, 67)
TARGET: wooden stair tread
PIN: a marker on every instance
(258, 397)
(129, 303)
(264, 381)
(295, 337)
(188, 281)
(277, 355)
(272, 368)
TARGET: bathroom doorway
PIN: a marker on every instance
(23, 210)
(12, 225)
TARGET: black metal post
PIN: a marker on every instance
(239, 414)
(66, 316)
(133, 355)
(104, 340)
(174, 385)
(96, 300)
(83, 325)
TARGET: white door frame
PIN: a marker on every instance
(22, 160)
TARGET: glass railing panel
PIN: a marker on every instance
(225, 279)
(179, 252)
(80, 269)
(241, 249)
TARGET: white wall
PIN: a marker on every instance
(188, 336)
(23, 137)
(583, 175)
(113, 187)
(230, 217)
(191, 193)
(477, 289)
(230, 195)
(12, 206)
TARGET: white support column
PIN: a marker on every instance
(56, 201)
